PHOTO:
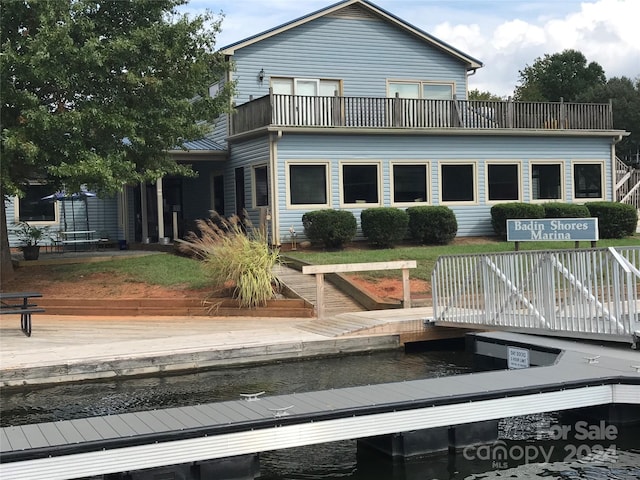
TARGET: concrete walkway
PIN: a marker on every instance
(68, 348)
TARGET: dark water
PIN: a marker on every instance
(568, 458)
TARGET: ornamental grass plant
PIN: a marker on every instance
(235, 252)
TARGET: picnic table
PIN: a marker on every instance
(10, 306)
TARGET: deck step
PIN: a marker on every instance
(172, 307)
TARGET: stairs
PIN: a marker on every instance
(627, 184)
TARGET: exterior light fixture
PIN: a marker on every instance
(261, 75)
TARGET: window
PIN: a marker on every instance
(587, 180)
(503, 182)
(409, 183)
(546, 181)
(261, 186)
(360, 183)
(308, 184)
(31, 207)
(419, 89)
(457, 183)
(302, 104)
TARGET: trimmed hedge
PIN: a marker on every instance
(332, 228)
(432, 225)
(502, 212)
(384, 226)
(615, 220)
(565, 210)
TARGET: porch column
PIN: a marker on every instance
(159, 200)
(143, 208)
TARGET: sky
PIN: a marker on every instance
(505, 35)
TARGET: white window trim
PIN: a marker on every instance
(254, 191)
(476, 196)
(563, 183)
(378, 165)
(427, 164)
(319, 80)
(487, 163)
(327, 186)
(420, 83)
(603, 185)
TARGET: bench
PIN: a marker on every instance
(320, 270)
(79, 237)
(9, 306)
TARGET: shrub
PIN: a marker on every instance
(432, 224)
(332, 228)
(565, 210)
(384, 226)
(502, 212)
(228, 253)
(615, 220)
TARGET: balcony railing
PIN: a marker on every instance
(376, 112)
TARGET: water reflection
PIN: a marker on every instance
(338, 460)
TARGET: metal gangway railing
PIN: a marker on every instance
(590, 293)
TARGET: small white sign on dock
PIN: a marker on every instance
(517, 358)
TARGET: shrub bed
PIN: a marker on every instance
(384, 226)
(502, 212)
(615, 220)
(565, 210)
(331, 228)
(432, 225)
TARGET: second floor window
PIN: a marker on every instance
(423, 90)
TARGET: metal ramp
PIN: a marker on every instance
(590, 293)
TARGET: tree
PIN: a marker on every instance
(96, 93)
(625, 100)
(563, 75)
(476, 94)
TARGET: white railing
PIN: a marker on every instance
(582, 293)
(627, 189)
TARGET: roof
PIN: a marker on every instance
(471, 62)
(201, 144)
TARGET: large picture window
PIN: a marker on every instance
(308, 184)
(31, 207)
(457, 182)
(409, 183)
(546, 181)
(261, 186)
(587, 180)
(503, 182)
(360, 183)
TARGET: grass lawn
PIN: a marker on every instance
(426, 256)
(172, 270)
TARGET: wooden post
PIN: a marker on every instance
(320, 295)
(406, 289)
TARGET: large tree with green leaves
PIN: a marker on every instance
(624, 94)
(563, 75)
(96, 92)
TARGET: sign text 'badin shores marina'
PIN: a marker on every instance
(570, 229)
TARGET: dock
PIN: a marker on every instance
(575, 375)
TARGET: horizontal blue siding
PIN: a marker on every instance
(102, 212)
(473, 220)
(246, 154)
(364, 53)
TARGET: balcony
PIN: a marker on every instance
(404, 113)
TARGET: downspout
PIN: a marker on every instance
(273, 201)
(469, 74)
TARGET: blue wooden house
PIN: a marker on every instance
(351, 107)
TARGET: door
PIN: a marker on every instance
(240, 201)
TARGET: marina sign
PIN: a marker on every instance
(552, 229)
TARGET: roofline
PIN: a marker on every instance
(472, 63)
